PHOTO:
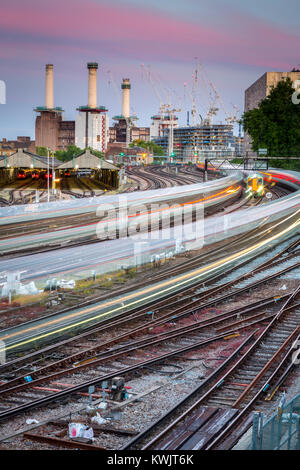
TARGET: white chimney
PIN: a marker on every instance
(49, 95)
(92, 99)
(126, 97)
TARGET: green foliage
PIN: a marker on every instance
(237, 160)
(151, 146)
(285, 164)
(73, 151)
(66, 155)
(42, 151)
(275, 124)
(97, 153)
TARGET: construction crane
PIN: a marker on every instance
(149, 77)
(194, 108)
(196, 111)
(230, 118)
(171, 113)
(213, 109)
(166, 112)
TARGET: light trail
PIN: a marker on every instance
(148, 293)
(35, 212)
(84, 229)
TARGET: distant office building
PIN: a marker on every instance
(259, 90)
(239, 146)
(201, 141)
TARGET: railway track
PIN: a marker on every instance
(87, 191)
(13, 390)
(268, 328)
(182, 177)
(21, 199)
(241, 387)
(145, 180)
(65, 188)
(284, 255)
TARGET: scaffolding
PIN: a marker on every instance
(202, 141)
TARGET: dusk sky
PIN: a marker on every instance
(235, 41)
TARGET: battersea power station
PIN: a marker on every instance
(91, 126)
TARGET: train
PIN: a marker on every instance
(287, 178)
(255, 185)
(21, 175)
(35, 175)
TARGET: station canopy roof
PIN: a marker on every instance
(86, 160)
(24, 159)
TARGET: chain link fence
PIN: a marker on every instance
(281, 431)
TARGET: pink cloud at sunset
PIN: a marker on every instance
(141, 32)
(231, 39)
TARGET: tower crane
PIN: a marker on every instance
(171, 113)
(148, 76)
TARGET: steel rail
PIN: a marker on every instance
(238, 420)
(246, 355)
(133, 442)
(152, 324)
(77, 388)
(175, 314)
(98, 357)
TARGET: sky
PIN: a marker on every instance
(232, 43)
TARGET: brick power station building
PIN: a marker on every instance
(50, 129)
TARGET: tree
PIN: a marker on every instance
(97, 153)
(151, 146)
(41, 151)
(275, 124)
(66, 155)
(73, 151)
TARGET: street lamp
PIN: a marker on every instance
(53, 175)
(48, 189)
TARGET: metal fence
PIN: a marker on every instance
(281, 431)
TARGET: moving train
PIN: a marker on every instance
(45, 175)
(255, 185)
(35, 175)
(21, 175)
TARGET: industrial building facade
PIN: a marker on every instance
(117, 133)
(160, 123)
(51, 131)
(91, 130)
(8, 147)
